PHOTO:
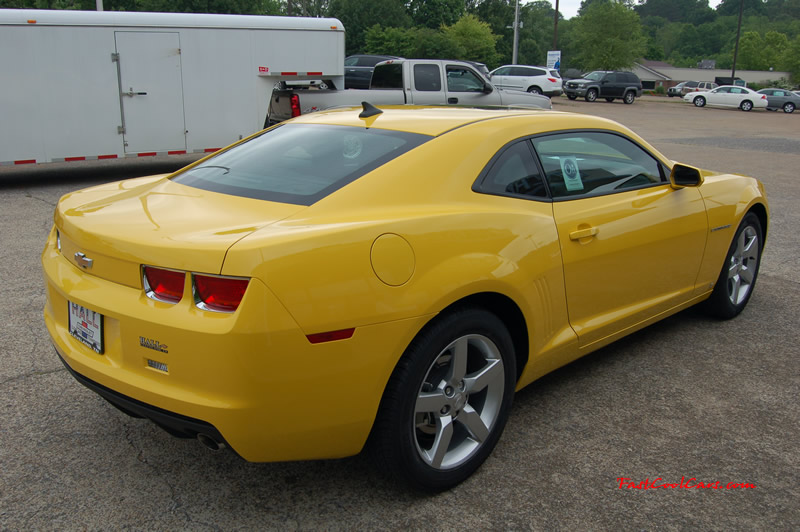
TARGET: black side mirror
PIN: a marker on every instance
(685, 176)
(487, 89)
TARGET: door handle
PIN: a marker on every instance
(583, 233)
(452, 100)
(133, 93)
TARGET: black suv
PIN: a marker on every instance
(605, 84)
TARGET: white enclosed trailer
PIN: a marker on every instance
(80, 85)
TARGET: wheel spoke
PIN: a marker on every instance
(746, 274)
(474, 424)
(492, 372)
(734, 290)
(444, 433)
(742, 245)
(458, 364)
(430, 402)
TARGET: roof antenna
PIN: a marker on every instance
(369, 110)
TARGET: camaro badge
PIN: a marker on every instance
(155, 345)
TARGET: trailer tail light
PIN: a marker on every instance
(220, 294)
(295, 103)
(163, 285)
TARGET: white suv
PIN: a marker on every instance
(538, 80)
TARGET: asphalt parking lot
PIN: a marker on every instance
(687, 398)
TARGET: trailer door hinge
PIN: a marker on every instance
(114, 57)
(121, 130)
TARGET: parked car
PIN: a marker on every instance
(728, 96)
(677, 90)
(781, 99)
(697, 86)
(393, 274)
(538, 80)
(358, 69)
(605, 84)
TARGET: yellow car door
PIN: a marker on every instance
(631, 244)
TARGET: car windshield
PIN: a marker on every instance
(299, 163)
(594, 76)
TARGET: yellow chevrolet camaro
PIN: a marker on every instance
(388, 277)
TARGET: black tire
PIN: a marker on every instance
(572, 96)
(699, 101)
(739, 271)
(534, 90)
(591, 95)
(609, 100)
(788, 107)
(746, 105)
(472, 408)
(629, 97)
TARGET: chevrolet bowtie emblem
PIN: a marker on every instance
(83, 261)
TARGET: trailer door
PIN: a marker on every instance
(151, 91)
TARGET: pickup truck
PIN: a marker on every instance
(405, 81)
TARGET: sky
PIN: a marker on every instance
(569, 8)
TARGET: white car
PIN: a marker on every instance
(535, 79)
(728, 96)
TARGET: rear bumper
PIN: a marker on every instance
(250, 379)
(176, 424)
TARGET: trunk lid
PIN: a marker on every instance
(153, 221)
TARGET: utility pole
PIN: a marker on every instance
(555, 28)
(736, 50)
(99, 4)
(516, 34)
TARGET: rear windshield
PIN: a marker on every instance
(299, 163)
(388, 76)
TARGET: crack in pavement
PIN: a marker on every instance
(34, 373)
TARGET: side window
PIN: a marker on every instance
(610, 78)
(520, 71)
(427, 78)
(594, 163)
(503, 71)
(460, 79)
(351, 61)
(514, 172)
(535, 72)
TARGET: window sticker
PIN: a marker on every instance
(352, 146)
(571, 173)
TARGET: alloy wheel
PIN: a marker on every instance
(743, 265)
(459, 401)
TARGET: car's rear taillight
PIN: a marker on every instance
(220, 294)
(163, 285)
(294, 101)
(552, 80)
(763, 96)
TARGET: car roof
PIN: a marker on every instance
(434, 121)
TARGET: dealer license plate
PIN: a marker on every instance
(86, 325)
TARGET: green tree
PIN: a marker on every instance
(475, 38)
(359, 15)
(751, 52)
(775, 48)
(609, 37)
(791, 59)
(435, 13)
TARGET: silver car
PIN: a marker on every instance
(781, 99)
